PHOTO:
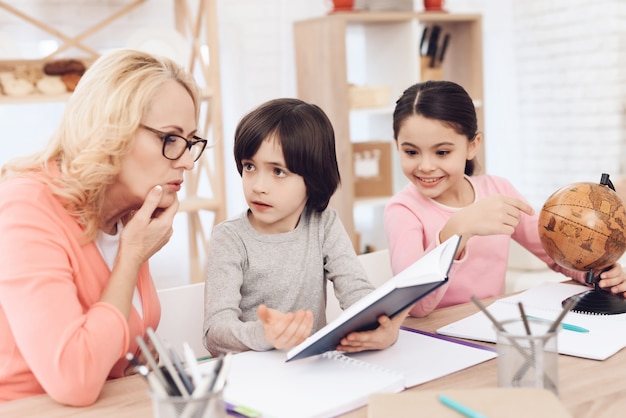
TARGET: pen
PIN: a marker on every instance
(222, 373)
(160, 377)
(460, 408)
(493, 320)
(192, 363)
(568, 307)
(167, 362)
(569, 327)
(151, 378)
(524, 317)
(181, 372)
(201, 389)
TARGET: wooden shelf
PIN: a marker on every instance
(34, 98)
(323, 65)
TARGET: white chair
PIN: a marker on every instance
(182, 317)
(378, 270)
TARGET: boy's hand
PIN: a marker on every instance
(285, 330)
(378, 339)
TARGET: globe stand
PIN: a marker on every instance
(599, 301)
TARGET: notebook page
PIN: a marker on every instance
(544, 301)
(422, 358)
(314, 387)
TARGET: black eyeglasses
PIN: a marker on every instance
(174, 146)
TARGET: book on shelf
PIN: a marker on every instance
(392, 297)
(602, 339)
(334, 383)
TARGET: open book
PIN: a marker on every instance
(604, 338)
(333, 383)
(392, 297)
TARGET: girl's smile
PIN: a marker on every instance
(433, 157)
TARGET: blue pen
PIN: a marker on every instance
(568, 327)
(460, 408)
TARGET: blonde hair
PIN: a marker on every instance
(97, 129)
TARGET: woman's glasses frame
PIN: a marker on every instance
(170, 142)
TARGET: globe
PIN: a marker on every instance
(583, 227)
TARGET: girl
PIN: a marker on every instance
(267, 269)
(436, 134)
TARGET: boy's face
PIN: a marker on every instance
(276, 196)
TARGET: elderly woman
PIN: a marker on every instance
(79, 221)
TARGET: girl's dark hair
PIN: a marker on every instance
(306, 137)
(442, 100)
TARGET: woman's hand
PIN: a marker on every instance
(150, 227)
(285, 330)
(378, 339)
(143, 235)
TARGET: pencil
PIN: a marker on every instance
(460, 408)
(524, 317)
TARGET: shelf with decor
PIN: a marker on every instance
(341, 50)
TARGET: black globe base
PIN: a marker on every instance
(599, 302)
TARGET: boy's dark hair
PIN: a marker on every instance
(445, 101)
(307, 139)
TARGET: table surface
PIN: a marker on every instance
(588, 388)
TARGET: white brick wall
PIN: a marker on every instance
(572, 92)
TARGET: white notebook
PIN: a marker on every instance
(332, 383)
(606, 334)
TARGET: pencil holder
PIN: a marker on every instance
(208, 406)
(430, 73)
(528, 360)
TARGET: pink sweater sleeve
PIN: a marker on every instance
(407, 243)
(51, 320)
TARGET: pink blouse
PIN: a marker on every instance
(56, 337)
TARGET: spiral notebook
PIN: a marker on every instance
(604, 338)
(332, 383)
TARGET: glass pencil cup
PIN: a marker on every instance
(210, 405)
(528, 360)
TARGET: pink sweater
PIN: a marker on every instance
(413, 223)
(55, 337)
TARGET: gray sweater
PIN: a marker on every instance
(285, 271)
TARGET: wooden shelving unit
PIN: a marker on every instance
(346, 48)
(196, 20)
